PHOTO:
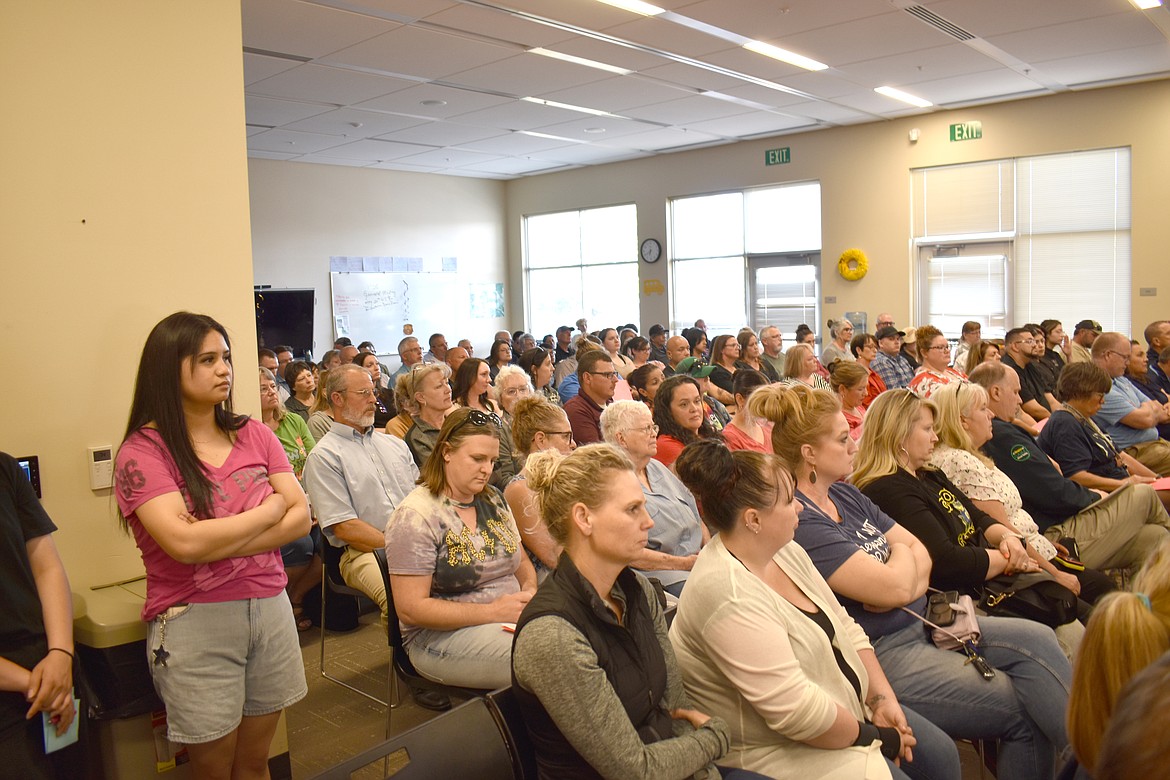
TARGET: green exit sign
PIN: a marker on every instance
(966, 131)
(778, 156)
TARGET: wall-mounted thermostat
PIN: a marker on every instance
(101, 467)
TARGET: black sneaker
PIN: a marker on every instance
(430, 700)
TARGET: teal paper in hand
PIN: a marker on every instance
(54, 743)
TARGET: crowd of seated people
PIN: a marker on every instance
(801, 517)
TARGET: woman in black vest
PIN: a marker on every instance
(592, 667)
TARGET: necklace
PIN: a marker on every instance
(469, 505)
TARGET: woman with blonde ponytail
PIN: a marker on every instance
(1127, 632)
(592, 667)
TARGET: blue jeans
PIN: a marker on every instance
(935, 755)
(1023, 707)
(472, 657)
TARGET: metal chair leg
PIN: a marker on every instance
(324, 672)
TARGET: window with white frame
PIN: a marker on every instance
(714, 237)
(581, 263)
(1006, 242)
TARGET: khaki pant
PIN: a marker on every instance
(360, 571)
(1154, 455)
(1120, 531)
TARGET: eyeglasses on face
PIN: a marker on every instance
(364, 392)
(651, 429)
(607, 374)
(567, 434)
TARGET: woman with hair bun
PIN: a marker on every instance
(877, 567)
(1127, 632)
(763, 643)
(746, 432)
(592, 668)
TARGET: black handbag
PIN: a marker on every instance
(1032, 595)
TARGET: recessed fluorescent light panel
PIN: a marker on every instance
(566, 106)
(776, 53)
(556, 55)
(905, 97)
(1145, 5)
(637, 6)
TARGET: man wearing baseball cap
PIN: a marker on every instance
(658, 336)
(1084, 334)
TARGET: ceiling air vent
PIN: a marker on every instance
(939, 23)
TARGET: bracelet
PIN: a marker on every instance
(61, 650)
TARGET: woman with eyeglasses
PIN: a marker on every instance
(457, 566)
(724, 355)
(681, 416)
(510, 386)
(1086, 454)
(210, 497)
(838, 349)
(934, 351)
(864, 347)
(678, 533)
(384, 409)
(537, 425)
(299, 556)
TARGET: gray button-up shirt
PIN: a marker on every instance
(350, 474)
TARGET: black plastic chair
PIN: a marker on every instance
(400, 665)
(331, 582)
(465, 742)
(511, 722)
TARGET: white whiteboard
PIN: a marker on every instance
(376, 306)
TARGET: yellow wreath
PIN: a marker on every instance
(853, 264)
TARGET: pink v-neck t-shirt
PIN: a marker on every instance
(146, 470)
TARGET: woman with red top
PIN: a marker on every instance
(680, 417)
(746, 432)
(210, 497)
(848, 381)
(865, 348)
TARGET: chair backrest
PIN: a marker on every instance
(393, 627)
(481, 751)
(510, 719)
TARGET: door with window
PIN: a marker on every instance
(964, 281)
(784, 290)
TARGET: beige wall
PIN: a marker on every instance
(124, 199)
(864, 175)
(304, 213)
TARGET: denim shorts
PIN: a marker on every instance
(225, 661)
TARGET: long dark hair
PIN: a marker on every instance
(158, 398)
(664, 415)
(465, 377)
(531, 360)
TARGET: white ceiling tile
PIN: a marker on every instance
(517, 115)
(370, 149)
(864, 39)
(394, 165)
(342, 120)
(516, 144)
(327, 85)
(974, 86)
(830, 112)
(448, 158)
(609, 53)
(578, 128)
(1088, 36)
(1103, 66)
(274, 113)
(764, 96)
(824, 84)
(741, 60)
(527, 74)
(258, 66)
(668, 138)
(993, 17)
(586, 153)
(691, 76)
(667, 36)
(514, 165)
(904, 68)
(442, 134)
(499, 25)
(582, 13)
(418, 52)
(304, 29)
(750, 124)
(405, 9)
(254, 130)
(322, 159)
(454, 101)
(468, 173)
(271, 155)
(292, 141)
(687, 110)
(768, 19)
(616, 94)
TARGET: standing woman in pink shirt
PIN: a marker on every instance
(210, 497)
